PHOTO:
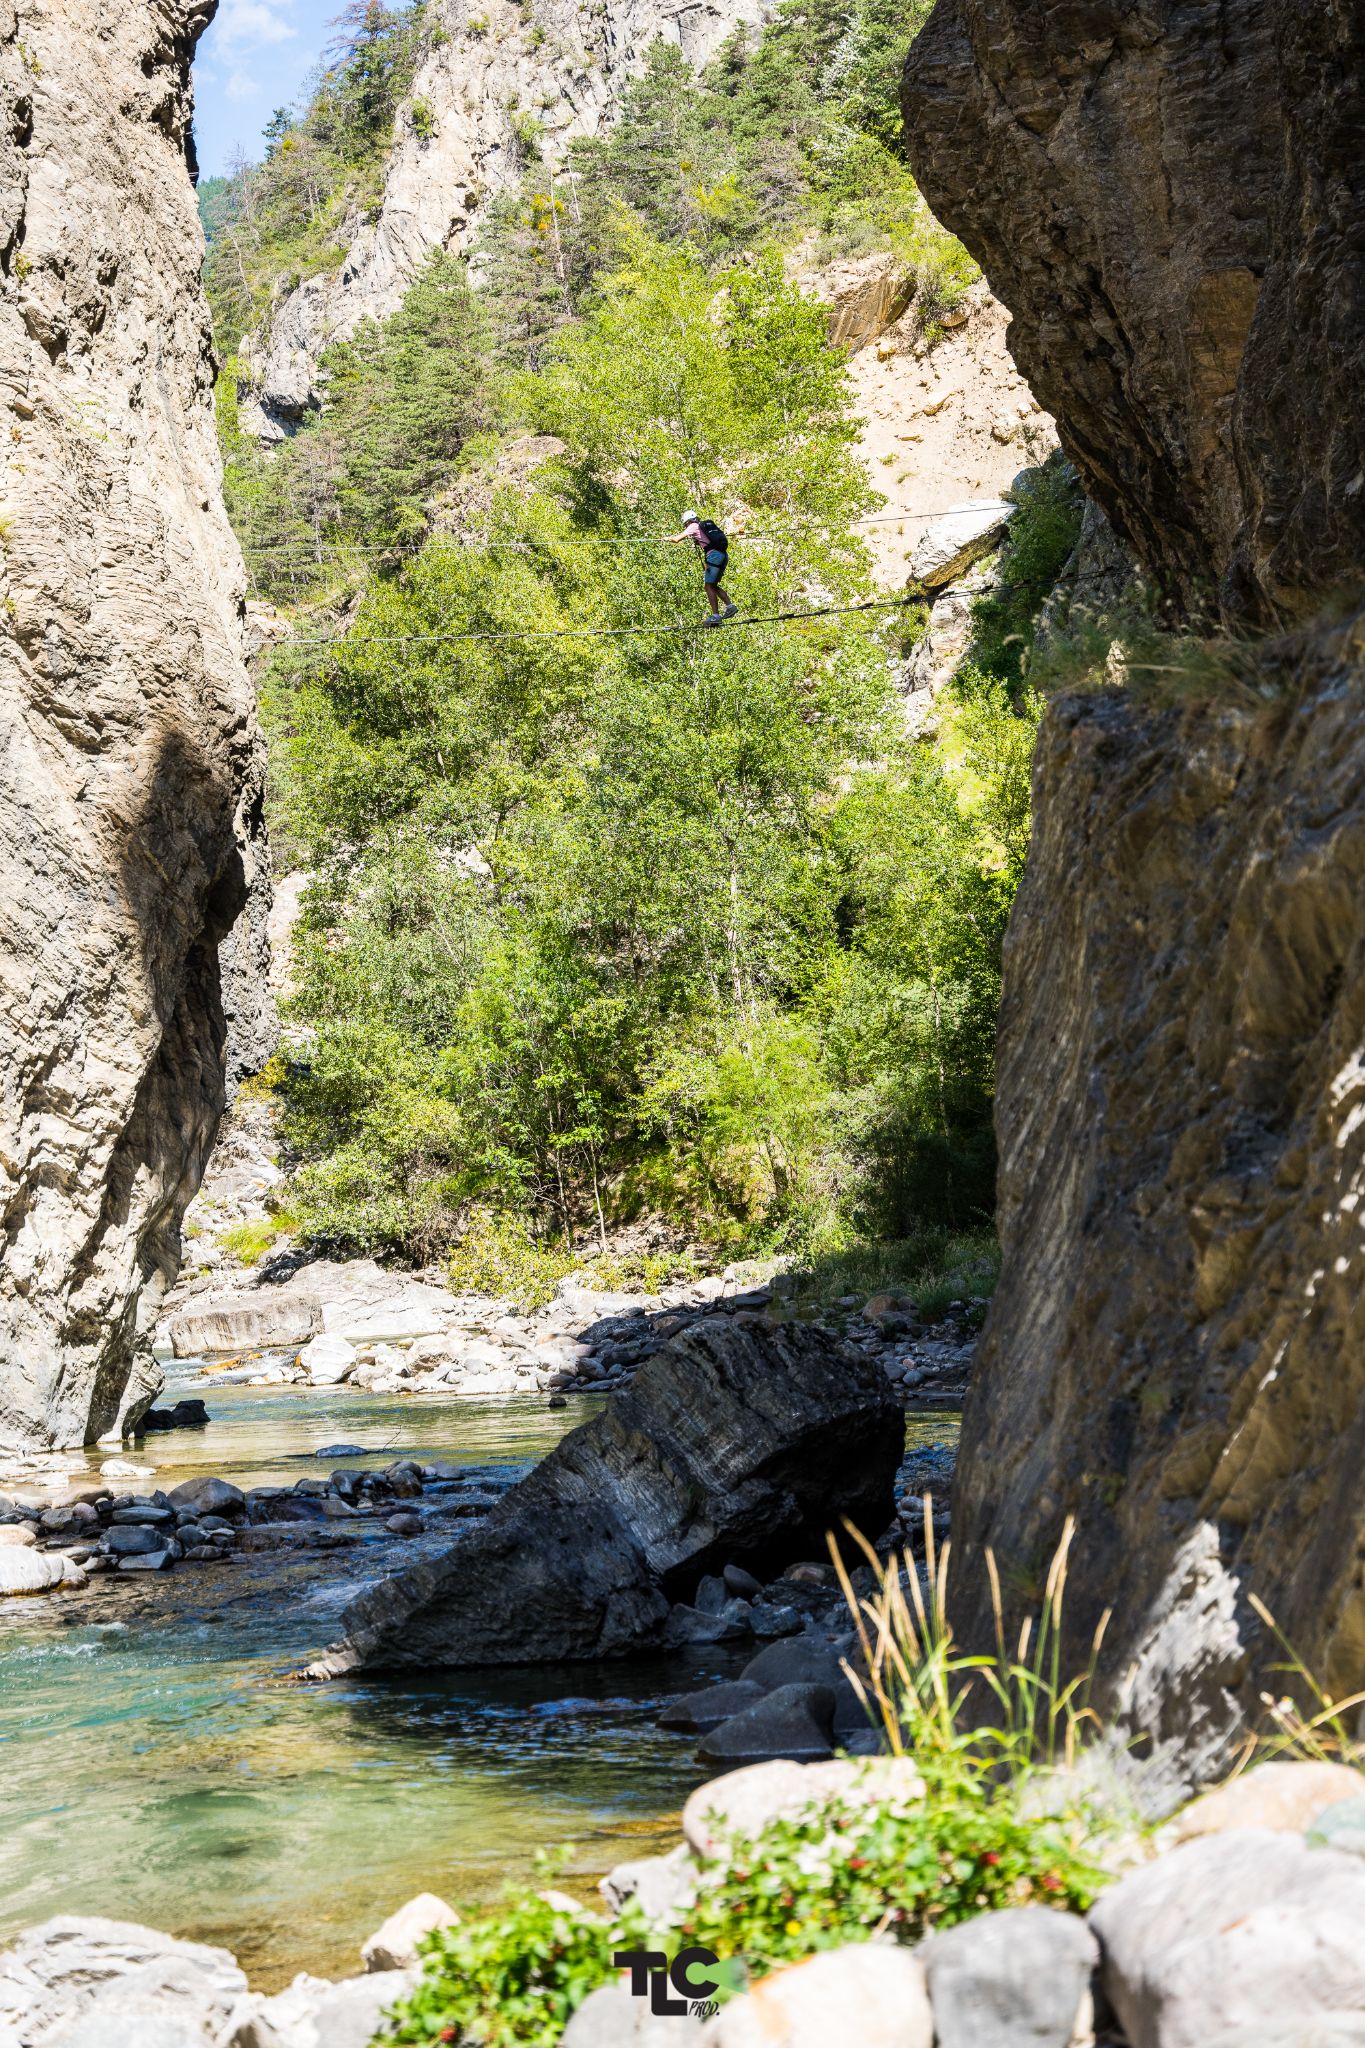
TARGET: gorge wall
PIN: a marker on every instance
(1168, 200)
(489, 65)
(130, 789)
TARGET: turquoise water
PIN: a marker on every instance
(156, 1768)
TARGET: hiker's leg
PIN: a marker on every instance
(711, 597)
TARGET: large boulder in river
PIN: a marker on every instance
(736, 1442)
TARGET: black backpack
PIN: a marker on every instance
(713, 535)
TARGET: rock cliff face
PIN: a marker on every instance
(490, 69)
(130, 786)
(1176, 1354)
(1168, 198)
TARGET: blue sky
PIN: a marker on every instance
(253, 58)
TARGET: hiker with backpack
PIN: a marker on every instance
(715, 549)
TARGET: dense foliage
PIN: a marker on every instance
(825, 1878)
(608, 920)
(617, 918)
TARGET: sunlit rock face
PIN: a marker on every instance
(497, 81)
(1168, 199)
(131, 776)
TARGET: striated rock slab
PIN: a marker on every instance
(735, 1441)
(131, 785)
(1168, 199)
(1176, 1352)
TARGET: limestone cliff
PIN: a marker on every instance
(1168, 198)
(130, 788)
(493, 72)
(1176, 1354)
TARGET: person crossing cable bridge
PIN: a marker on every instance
(715, 551)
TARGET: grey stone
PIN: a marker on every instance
(1017, 1979)
(660, 1884)
(711, 1595)
(794, 1663)
(133, 1541)
(147, 1561)
(741, 1583)
(696, 1713)
(1247, 1928)
(734, 1434)
(209, 1497)
(132, 789)
(795, 1721)
(611, 2018)
(770, 1621)
(404, 1525)
(142, 1515)
(66, 1979)
(686, 1625)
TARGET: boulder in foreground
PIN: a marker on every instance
(736, 1442)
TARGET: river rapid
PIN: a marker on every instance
(155, 1767)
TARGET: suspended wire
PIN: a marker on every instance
(313, 549)
(834, 611)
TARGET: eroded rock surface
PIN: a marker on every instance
(560, 64)
(1176, 1353)
(735, 1441)
(1168, 200)
(130, 790)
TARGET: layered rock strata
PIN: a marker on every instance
(502, 86)
(130, 790)
(1168, 199)
(735, 1443)
(1176, 1355)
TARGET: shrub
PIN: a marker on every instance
(248, 1243)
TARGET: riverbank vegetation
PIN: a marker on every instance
(608, 921)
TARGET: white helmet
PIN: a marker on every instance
(690, 519)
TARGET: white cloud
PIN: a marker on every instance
(244, 25)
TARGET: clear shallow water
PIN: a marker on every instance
(154, 1768)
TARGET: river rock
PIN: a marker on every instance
(65, 1981)
(209, 1497)
(795, 1721)
(17, 1536)
(612, 2017)
(745, 1801)
(394, 1945)
(135, 1540)
(1281, 1795)
(794, 1663)
(1017, 1979)
(696, 1713)
(188, 1414)
(328, 1360)
(29, 1571)
(688, 1625)
(869, 1995)
(734, 1438)
(1247, 1928)
(660, 1884)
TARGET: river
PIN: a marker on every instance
(154, 1768)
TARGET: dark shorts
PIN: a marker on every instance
(716, 559)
